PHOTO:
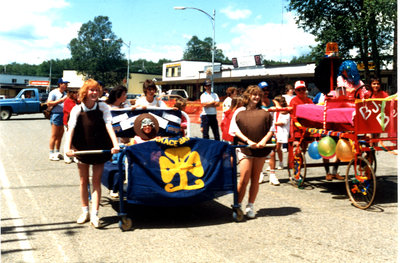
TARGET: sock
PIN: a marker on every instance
(57, 150)
(85, 209)
(51, 151)
(250, 204)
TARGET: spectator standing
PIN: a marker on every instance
(56, 100)
(281, 127)
(209, 100)
(69, 103)
(237, 102)
(89, 127)
(289, 93)
(226, 105)
(251, 127)
(149, 98)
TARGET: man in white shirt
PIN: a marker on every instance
(209, 101)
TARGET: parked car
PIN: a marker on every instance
(2, 97)
(43, 97)
(180, 92)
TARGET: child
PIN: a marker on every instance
(377, 93)
(282, 127)
(89, 128)
(235, 103)
(180, 104)
(146, 128)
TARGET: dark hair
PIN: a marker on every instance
(230, 91)
(281, 100)
(115, 94)
(148, 84)
(237, 102)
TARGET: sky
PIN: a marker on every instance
(34, 31)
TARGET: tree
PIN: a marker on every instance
(367, 25)
(96, 58)
(197, 49)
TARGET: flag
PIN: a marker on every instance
(179, 171)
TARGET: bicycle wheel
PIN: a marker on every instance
(360, 182)
(297, 169)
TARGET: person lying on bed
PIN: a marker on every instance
(349, 78)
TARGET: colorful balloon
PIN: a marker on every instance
(329, 157)
(344, 150)
(327, 147)
(313, 151)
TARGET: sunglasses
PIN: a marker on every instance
(303, 89)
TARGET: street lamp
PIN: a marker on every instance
(128, 57)
(213, 40)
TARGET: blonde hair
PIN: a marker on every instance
(89, 84)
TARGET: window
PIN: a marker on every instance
(173, 70)
(14, 81)
(26, 81)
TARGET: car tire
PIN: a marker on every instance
(5, 114)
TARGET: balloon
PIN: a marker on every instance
(313, 151)
(344, 150)
(329, 157)
(327, 147)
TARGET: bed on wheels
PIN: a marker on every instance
(170, 170)
(359, 127)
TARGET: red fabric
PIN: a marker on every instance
(68, 105)
(380, 95)
(298, 101)
(225, 125)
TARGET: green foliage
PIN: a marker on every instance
(367, 25)
(142, 65)
(96, 58)
(199, 50)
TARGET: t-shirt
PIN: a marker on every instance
(380, 95)
(254, 124)
(350, 87)
(54, 95)
(78, 108)
(206, 98)
(281, 132)
(288, 98)
(142, 101)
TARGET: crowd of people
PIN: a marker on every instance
(251, 118)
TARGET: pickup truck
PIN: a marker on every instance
(27, 101)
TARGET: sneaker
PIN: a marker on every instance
(284, 150)
(280, 166)
(50, 156)
(55, 157)
(83, 218)
(95, 222)
(261, 178)
(113, 194)
(67, 159)
(273, 180)
(75, 160)
(250, 211)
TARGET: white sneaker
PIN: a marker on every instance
(67, 159)
(95, 221)
(83, 218)
(280, 166)
(55, 157)
(261, 178)
(284, 150)
(76, 160)
(50, 156)
(273, 180)
(250, 211)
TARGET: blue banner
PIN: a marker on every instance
(179, 171)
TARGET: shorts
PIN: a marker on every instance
(240, 155)
(57, 118)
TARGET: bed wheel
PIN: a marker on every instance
(237, 214)
(125, 223)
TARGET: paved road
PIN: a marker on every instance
(40, 203)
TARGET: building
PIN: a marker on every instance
(190, 75)
(10, 85)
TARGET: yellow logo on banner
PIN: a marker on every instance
(181, 161)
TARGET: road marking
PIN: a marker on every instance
(12, 207)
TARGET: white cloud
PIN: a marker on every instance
(236, 14)
(155, 53)
(273, 41)
(34, 33)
